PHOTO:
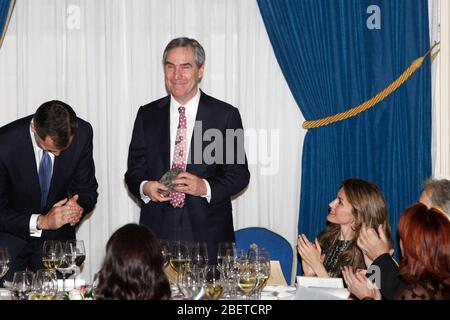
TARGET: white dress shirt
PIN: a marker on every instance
(191, 113)
(38, 152)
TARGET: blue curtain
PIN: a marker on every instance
(6, 9)
(332, 61)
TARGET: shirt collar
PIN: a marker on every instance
(33, 140)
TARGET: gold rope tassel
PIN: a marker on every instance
(416, 64)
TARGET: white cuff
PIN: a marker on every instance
(34, 232)
(208, 191)
(144, 197)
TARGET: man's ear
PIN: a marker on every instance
(32, 127)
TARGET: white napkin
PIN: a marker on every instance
(71, 284)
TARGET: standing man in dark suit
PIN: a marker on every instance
(201, 136)
(44, 159)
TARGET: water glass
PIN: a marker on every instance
(22, 285)
(45, 285)
(4, 261)
(192, 282)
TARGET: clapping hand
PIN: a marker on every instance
(359, 285)
(312, 257)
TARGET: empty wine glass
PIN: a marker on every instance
(22, 285)
(4, 261)
(222, 250)
(79, 252)
(67, 262)
(199, 254)
(192, 282)
(45, 285)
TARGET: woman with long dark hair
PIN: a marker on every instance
(133, 266)
(358, 203)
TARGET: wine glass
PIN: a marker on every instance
(80, 253)
(247, 276)
(263, 270)
(45, 285)
(22, 285)
(222, 250)
(192, 282)
(4, 261)
(199, 254)
(179, 256)
(67, 262)
(213, 283)
(165, 251)
(51, 253)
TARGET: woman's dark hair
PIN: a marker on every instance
(57, 120)
(425, 239)
(133, 266)
(369, 207)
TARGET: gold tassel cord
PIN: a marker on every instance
(416, 64)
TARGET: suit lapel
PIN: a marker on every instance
(165, 133)
(26, 157)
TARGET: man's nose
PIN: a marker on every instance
(178, 73)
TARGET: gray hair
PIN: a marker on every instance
(439, 192)
(199, 52)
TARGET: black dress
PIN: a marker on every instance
(332, 256)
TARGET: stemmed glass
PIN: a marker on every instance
(192, 282)
(67, 262)
(199, 254)
(214, 283)
(230, 266)
(4, 261)
(79, 252)
(22, 285)
(262, 261)
(222, 250)
(179, 256)
(247, 276)
(165, 251)
(51, 253)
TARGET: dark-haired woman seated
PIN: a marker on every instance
(358, 203)
(133, 267)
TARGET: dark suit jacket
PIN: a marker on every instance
(73, 171)
(391, 281)
(149, 159)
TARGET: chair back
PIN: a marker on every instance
(279, 248)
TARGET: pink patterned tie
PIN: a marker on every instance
(179, 156)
